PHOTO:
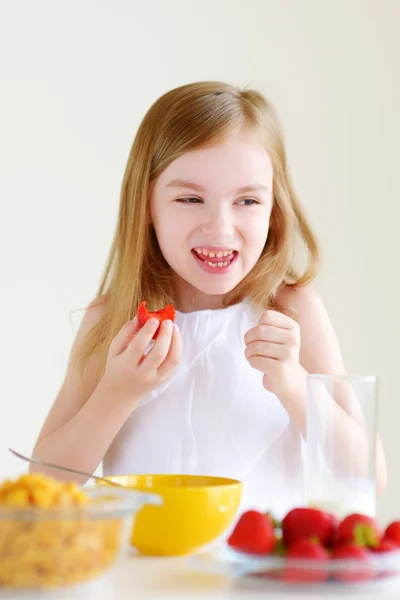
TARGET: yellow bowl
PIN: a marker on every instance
(196, 510)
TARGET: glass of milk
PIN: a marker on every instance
(341, 431)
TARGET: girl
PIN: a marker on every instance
(208, 221)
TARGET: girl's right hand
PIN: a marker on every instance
(132, 374)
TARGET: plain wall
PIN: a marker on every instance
(77, 78)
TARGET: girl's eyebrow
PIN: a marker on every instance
(181, 183)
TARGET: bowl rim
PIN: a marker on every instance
(113, 504)
(220, 482)
(252, 563)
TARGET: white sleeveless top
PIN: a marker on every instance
(214, 417)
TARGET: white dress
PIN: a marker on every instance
(214, 417)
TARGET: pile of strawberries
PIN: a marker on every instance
(312, 534)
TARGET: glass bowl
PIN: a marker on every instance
(275, 572)
(53, 547)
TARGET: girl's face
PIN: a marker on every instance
(210, 209)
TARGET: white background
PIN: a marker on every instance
(77, 78)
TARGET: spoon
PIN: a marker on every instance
(66, 469)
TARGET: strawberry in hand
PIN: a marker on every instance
(166, 313)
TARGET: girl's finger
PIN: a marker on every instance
(159, 351)
(267, 333)
(265, 350)
(260, 363)
(124, 337)
(174, 354)
(141, 341)
(277, 319)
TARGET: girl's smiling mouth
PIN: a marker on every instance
(215, 260)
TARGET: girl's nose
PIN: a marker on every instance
(218, 225)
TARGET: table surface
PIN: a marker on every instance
(176, 578)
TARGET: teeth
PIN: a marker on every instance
(212, 253)
(217, 265)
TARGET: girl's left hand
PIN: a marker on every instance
(273, 347)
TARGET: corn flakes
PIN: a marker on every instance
(39, 552)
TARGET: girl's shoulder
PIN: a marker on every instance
(319, 350)
(298, 302)
(304, 305)
(85, 318)
(98, 306)
(95, 311)
(92, 314)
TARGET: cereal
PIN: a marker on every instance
(40, 491)
(55, 551)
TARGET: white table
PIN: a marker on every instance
(140, 578)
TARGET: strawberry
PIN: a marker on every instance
(310, 550)
(302, 523)
(360, 529)
(168, 312)
(254, 533)
(386, 545)
(392, 533)
(355, 553)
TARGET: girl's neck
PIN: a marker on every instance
(193, 304)
(189, 299)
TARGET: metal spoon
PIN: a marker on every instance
(66, 469)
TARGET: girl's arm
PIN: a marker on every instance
(86, 415)
(320, 353)
(82, 421)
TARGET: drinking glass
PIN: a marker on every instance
(341, 430)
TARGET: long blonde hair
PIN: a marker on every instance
(184, 119)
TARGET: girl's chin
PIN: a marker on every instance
(189, 284)
(214, 289)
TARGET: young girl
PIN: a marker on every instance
(208, 221)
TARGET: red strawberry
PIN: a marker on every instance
(386, 545)
(168, 312)
(354, 552)
(254, 533)
(302, 523)
(392, 532)
(359, 529)
(307, 549)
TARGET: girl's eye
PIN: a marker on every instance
(189, 200)
(248, 202)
